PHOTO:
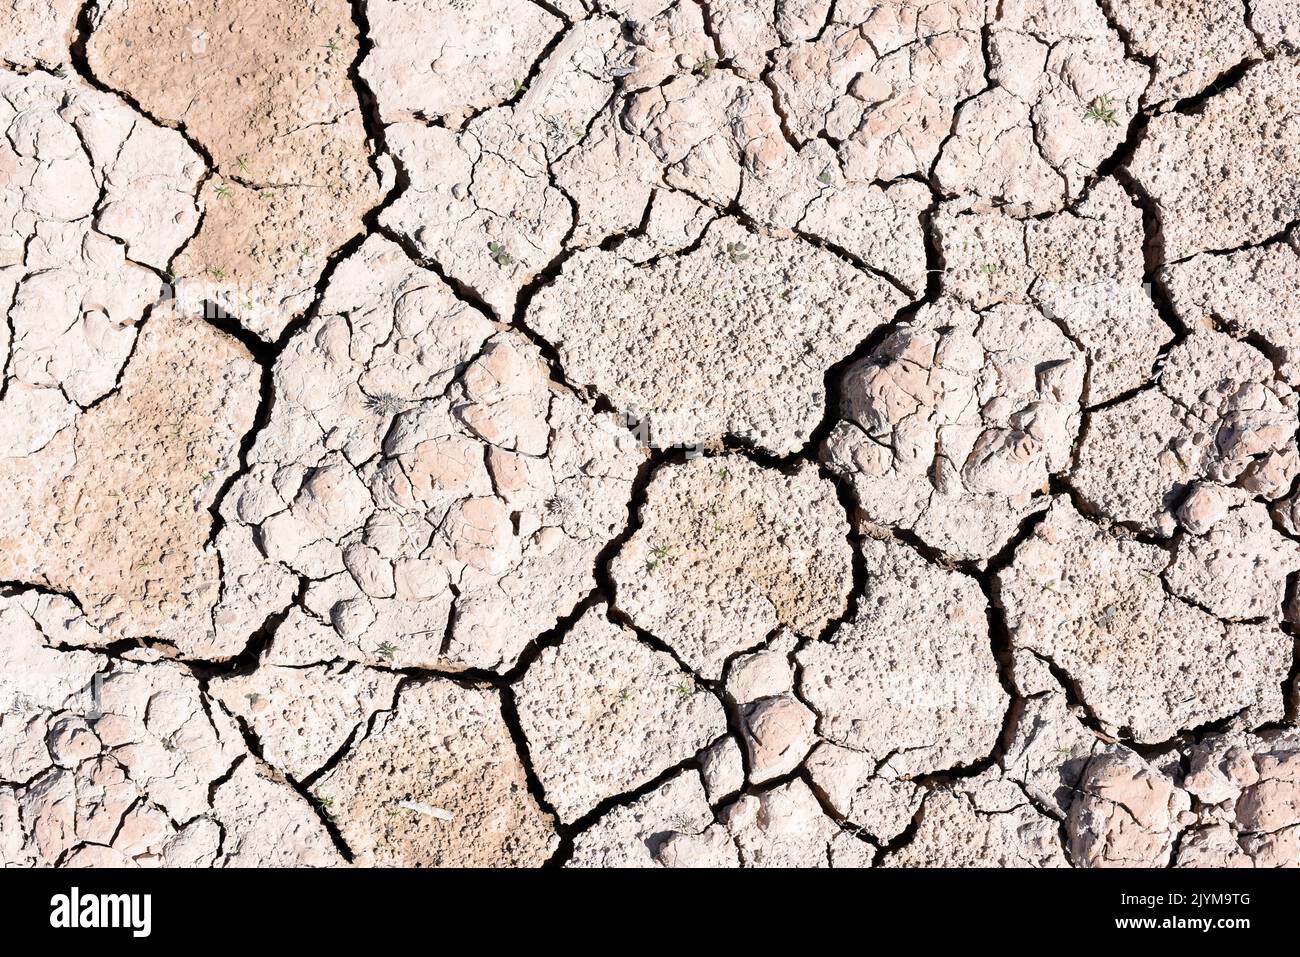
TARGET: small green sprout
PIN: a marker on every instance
(824, 176)
(60, 71)
(989, 269)
(520, 87)
(387, 650)
(737, 252)
(222, 191)
(660, 552)
(217, 273)
(685, 689)
(1102, 109)
(705, 68)
(499, 254)
(242, 163)
(326, 807)
(625, 695)
(1049, 585)
(332, 45)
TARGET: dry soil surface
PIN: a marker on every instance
(649, 433)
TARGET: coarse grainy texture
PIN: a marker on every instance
(727, 551)
(649, 433)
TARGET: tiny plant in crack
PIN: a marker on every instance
(684, 689)
(222, 191)
(1102, 110)
(326, 807)
(384, 404)
(705, 68)
(242, 163)
(387, 650)
(60, 71)
(499, 254)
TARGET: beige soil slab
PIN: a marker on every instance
(93, 197)
(953, 425)
(37, 32)
(1062, 94)
(1191, 44)
(114, 508)
(605, 714)
(1251, 785)
(1050, 744)
(1146, 663)
(1222, 178)
(731, 339)
(728, 551)
(418, 467)
(1126, 814)
(302, 717)
(437, 781)
(982, 822)
(776, 728)
(1217, 412)
(673, 826)
(291, 174)
(910, 684)
(881, 805)
(483, 53)
(1252, 293)
(125, 762)
(1083, 267)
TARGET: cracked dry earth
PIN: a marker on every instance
(649, 433)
